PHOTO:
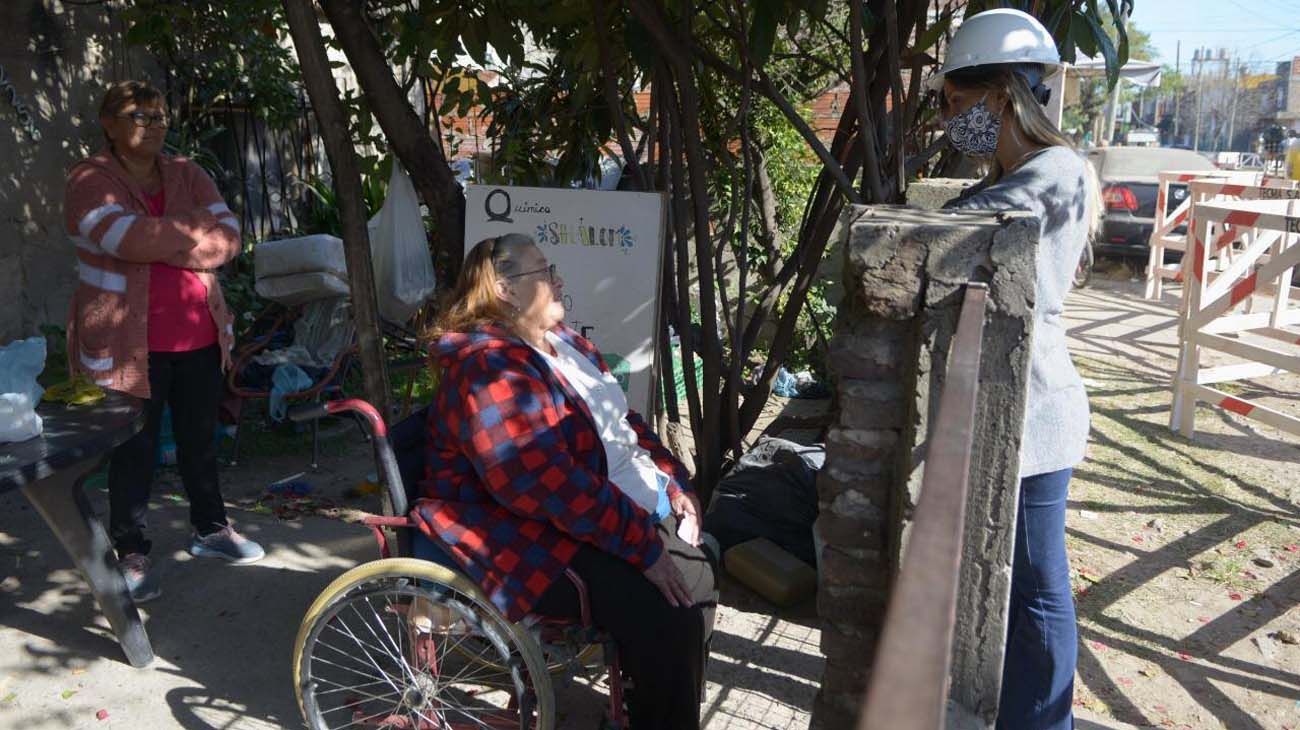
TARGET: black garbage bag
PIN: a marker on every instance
(772, 493)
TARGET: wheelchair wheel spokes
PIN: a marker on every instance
(368, 659)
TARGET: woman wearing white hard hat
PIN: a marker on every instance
(991, 102)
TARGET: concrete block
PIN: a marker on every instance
(871, 404)
(848, 643)
(857, 532)
(870, 348)
(932, 193)
(860, 568)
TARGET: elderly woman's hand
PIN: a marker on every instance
(686, 507)
(669, 580)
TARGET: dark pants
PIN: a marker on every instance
(190, 382)
(1042, 637)
(662, 649)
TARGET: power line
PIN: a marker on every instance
(1216, 30)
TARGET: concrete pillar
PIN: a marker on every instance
(904, 272)
(928, 193)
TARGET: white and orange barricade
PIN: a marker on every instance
(1265, 341)
(1164, 235)
(1226, 239)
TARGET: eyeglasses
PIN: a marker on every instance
(549, 271)
(146, 120)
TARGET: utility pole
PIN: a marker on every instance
(1178, 70)
(1236, 92)
(1114, 113)
(1199, 63)
(1114, 97)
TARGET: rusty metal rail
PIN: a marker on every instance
(909, 680)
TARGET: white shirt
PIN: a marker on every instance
(631, 468)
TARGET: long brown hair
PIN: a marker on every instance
(1031, 118)
(473, 302)
(124, 93)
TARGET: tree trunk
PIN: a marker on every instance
(419, 153)
(316, 77)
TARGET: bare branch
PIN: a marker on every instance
(870, 171)
(614, 96)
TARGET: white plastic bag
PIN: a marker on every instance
(399, 250)
(20, 362)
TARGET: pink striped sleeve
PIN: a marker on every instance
(219, 242)
(100, 217)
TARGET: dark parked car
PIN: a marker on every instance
(1129, 184)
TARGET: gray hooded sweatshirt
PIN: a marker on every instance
(1051, 184)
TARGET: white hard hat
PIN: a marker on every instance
(999, 36)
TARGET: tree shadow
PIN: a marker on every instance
(223, 635)
(59, 58)
(228, 630)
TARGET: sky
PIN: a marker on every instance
(1259, 32)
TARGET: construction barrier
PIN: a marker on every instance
(1164, 235)
(1265, 222)
(1224, 240)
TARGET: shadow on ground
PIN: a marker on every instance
(1162, 635)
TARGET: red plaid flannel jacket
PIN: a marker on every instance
(517, 475)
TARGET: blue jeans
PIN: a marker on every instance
(1042, 636)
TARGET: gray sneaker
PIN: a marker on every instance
(141, 580)
(227, 545)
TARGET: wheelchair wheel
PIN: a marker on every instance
(368, 654)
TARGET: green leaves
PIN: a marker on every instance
(1084, 25)
(926, 40)
(1107, 49)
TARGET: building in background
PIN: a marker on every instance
(1286, 109)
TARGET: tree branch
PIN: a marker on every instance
(420, 155)
(871, 171)
(316, 76)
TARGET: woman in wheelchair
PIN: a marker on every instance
(537, 466)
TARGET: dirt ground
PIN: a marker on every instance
(1185, 557)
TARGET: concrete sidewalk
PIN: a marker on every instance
(223, 635)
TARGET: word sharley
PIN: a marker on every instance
(563, 234)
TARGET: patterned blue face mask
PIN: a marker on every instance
(974, 132)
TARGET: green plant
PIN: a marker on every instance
(237, 285)
(321, 213)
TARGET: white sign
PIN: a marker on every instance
(608, 247)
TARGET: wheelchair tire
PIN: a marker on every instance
(358, 661)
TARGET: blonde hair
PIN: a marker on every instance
(125, 93)
(473, 302)
(1032, 120)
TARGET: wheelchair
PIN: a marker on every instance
(413, 644)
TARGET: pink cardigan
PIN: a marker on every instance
(106, 217)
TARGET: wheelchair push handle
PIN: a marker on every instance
(307, 412)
